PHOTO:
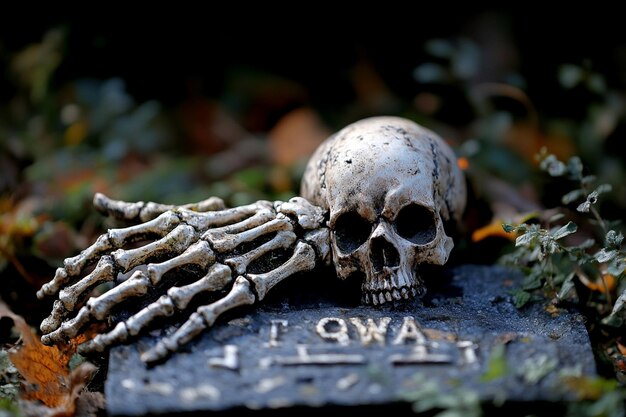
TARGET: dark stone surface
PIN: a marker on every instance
(472, 313)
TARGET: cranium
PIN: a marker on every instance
(389, 185)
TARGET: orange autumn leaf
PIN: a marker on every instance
(463, 163)
(45, 368)
(607, 282)
(493, 229)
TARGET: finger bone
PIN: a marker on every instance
(136, 285)
(204, 317)
(199, 253)
(215, 279)
(224, 243)
(303, 259)
(174, 242)
(104, 271)
(283, 239)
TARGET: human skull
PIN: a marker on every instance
(389, 185)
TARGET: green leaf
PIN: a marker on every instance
(568, 229)
(496, 367)
(584, 207)
(586, 244)
(520, 298)
(572, 196)
(556, 217)
(587, 180)
(525, 239)
(566, 287)
(533, 280)
(508, 227)
(613, 239)
(617, 267)
(616, 319)
(604, 255)
(534, 369)
(603, 188)
(570, 75)
(553, 166)
(550, 246)
(575, 167)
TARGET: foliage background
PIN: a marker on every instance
(174, 107)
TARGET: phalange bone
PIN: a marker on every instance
(147, 211)
(239, 264)
(320, 240)
(309, 217)
(56, 317)
(177, 298)
(116, 208)
(226, 243)
(53, 287)
(159, 226)
(138, 284)
(303, 259)
(163, 307)
(75, 265)
(104, 272)
(261, 217)
(199, 253)
(119, 334)
(204, 317)
(70, 296)
(239, 295)
(174, 242)
(68, 329)
(217, 219)
(217, 278)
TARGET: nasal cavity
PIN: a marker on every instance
(383, 253)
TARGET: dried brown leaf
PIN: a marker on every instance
(46, 370)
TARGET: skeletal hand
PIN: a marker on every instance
(241, 252)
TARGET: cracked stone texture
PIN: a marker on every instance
(474, 305)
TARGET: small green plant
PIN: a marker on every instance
(553, 255)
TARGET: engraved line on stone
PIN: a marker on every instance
(230, 360)
(468, 351)
(202, 391)
(347, 381)
(419, 355)
(277, 326)
(270, 384)
(303, 357)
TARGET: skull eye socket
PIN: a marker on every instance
(416, 224)
(351, 231)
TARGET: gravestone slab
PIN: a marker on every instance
(316, 354)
